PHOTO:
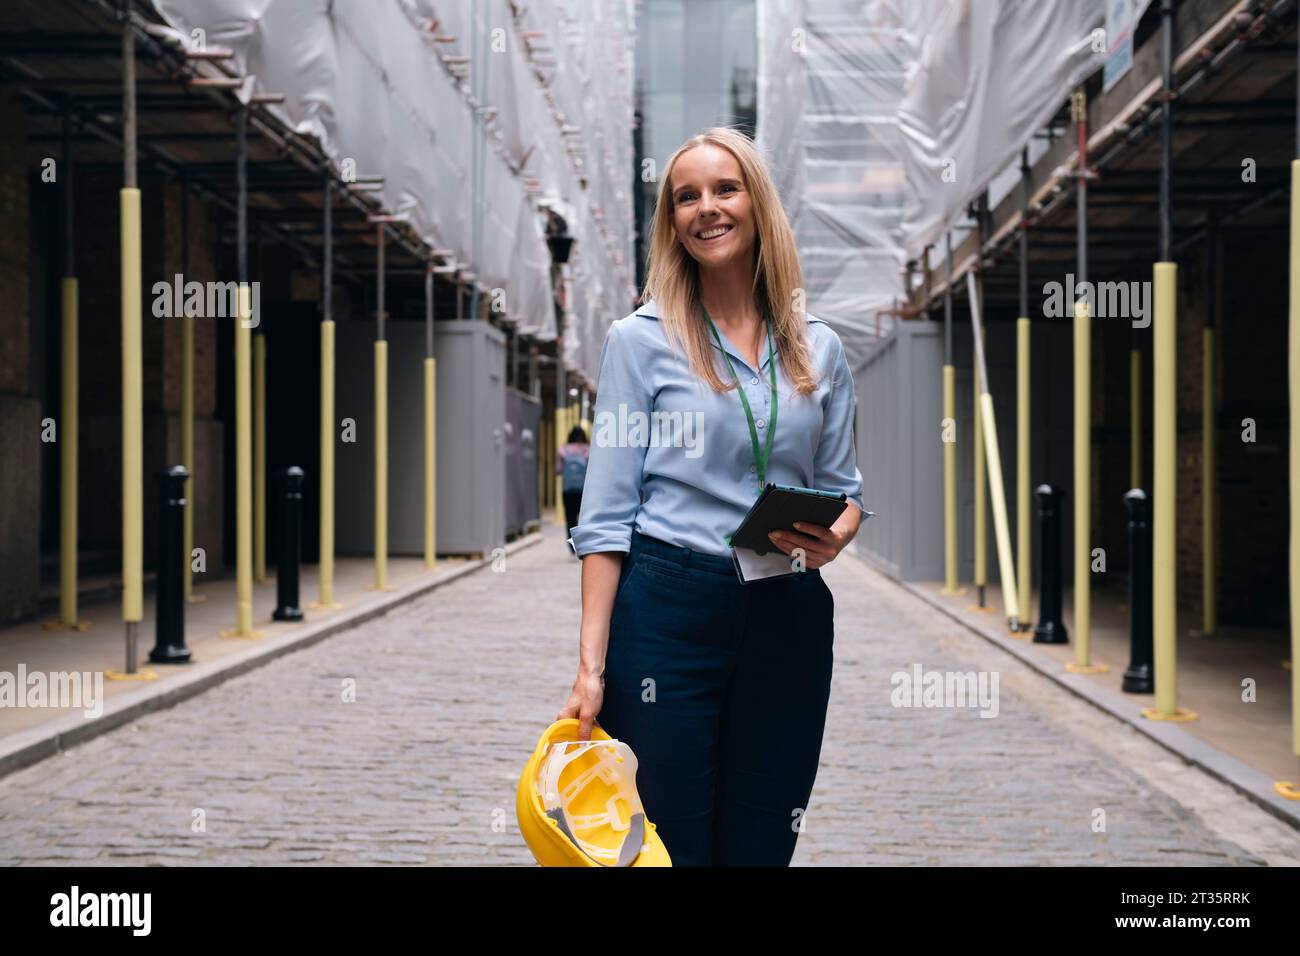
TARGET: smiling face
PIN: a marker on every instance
(712, 213)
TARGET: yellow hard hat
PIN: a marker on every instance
(577, 802)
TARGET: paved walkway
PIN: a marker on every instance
(102, 645)
(1210, 670)
(452, 690)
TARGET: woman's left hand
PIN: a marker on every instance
(820, 544)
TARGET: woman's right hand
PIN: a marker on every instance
(584, 701)
(600, 576)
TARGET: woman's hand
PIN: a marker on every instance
(600, 576)
(584, 701)
(820, 544)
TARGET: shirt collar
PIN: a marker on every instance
(651, 311)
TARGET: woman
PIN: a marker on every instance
(719, 687)
(571, 465)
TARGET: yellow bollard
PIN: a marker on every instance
(1135, 418)
(1001, 529)
(326, 597)
(381, 465)
(1082, 663)
(1024, 552)
(243, 470)
(132, 414)
(988, 437)
(68, 439)
(1164, 525)
(950, 484)
(1082, 482)
(430, 465)
(259, 457)
(1209, 614)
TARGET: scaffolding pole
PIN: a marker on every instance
(1290, 789)
(1001, 530)
(381, 422)
(243, 398)
(259, 453)
(1209, 612)
(69, 412)
(1082, 663)
(1164, 530)
(950, 439)
(187, 401)
(430, 429)
(132, 372)
(325, 598)
(1024, 554)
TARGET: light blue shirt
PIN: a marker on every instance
(672, 458)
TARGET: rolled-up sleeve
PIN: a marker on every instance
(835, 464)
(611, 495)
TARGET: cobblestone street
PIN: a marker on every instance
(451, 692)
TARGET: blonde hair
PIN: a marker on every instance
(673, 277)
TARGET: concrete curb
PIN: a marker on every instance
(1243, 778)
(32, 746)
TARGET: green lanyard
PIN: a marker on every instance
(760, 457)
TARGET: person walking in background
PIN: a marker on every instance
(571, 464)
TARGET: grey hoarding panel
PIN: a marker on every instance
(470, 435)
(900, 402)
(523, 421)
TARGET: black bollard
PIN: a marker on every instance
(1050, 629)
(289, 553)
(1139, 678)
(169, 614)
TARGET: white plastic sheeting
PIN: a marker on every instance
(865, 106)
(367, 78)
(987, 74)
(830, 80)
(593, 91)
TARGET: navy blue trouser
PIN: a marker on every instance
(720, 688)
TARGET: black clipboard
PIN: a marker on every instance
(777, 509)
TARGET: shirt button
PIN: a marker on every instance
(760, 423)
(751, 469)
(753, 381)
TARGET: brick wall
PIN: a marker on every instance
(1253, 504)
(1250, 382)
(14, 356)
(202, 268)
(20, 413)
